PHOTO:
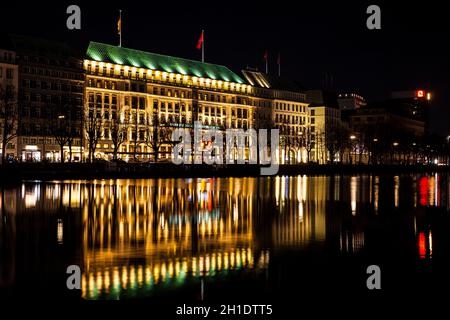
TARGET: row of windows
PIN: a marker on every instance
(144, 119)
(292, 130)
(52, 73)
(9, 73)
(100, 99)
(132, 73)
(140, 103)
(38, 130)
(74, 63)
(290, 119)
(289, 107)
(47, 114)
(54, 99)
(49, 85)
(8, 57)
(184, 94)
(111, 85)
(47, 141)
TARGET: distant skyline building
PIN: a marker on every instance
(414, 103)
(351, 101)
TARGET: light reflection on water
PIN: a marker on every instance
(135, 238)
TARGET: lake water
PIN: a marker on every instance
(225, 238)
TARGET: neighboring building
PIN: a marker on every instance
(50, 100)
(8, 83)
(324, 121)
(414, 104)
(382, 117)
(289, 112)
(350, 101)
(406, 114)
(400, 122)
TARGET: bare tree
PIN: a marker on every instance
(8, 117)
(92, 128)
(156, 135)
(308, 143)
(70, 140)
(118, 133)
(61, 128)
(135, 134)
(262, 120)
(60, 132)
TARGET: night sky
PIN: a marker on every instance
(411, 51)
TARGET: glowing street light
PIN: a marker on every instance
(352, 137)
(395, 144)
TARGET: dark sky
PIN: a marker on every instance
(411, 51)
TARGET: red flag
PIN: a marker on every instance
(279, 58)
(200, 42)
(266, 55)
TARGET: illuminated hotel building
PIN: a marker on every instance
(140, 88)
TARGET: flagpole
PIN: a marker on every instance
(203, 46)
(279, 65)
(120, 33)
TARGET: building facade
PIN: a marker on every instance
(323, 125)
(288, 111)
(50, 100)
(9, 78)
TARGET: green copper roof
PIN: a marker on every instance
(141, 59)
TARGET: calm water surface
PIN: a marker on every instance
(237, 237)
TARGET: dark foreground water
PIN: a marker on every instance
(246, 240)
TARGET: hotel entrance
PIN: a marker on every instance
(32, 156)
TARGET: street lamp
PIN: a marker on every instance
(395, 144)
(375, 140)
(352, 138)
(300, 134)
